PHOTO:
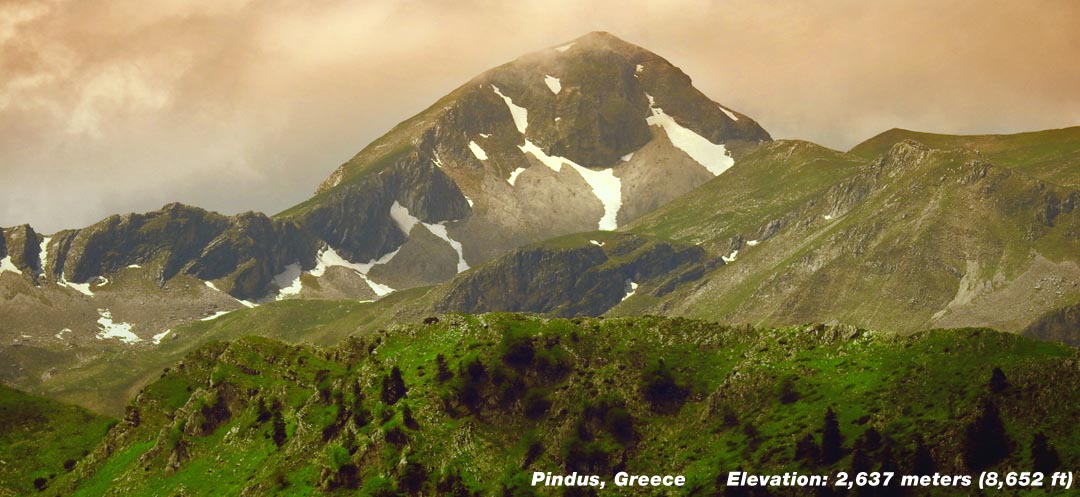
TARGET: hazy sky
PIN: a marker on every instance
(112, 106)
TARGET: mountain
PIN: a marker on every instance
(588, 135)
(951, 233)
(473, 405)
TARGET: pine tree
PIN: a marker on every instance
(832, 441)
(985, 441)
(393, 387)
(443, 372)
(998, 381)
(922, 461)
(1044, 457)
(279, 433)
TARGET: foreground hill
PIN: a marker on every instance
(473, 404)
(41, 439)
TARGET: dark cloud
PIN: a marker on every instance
(234, 105)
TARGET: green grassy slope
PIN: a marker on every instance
(518, 394)
(921, 238)
(40, 439)
(1051, 155)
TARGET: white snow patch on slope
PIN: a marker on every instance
(7, 265)
(439, 230)
(627, 157)
(214, 316)
(467, 199)
(406, 221)
(598, 244)
(485, 135)
(101, 281)
(477, 151)
(631, 288)
(288, 281)
(437, 161)
(134, 266)
(519, 113)
(638, 69)
(43, 255)
(83, 288)
(211, 285)
(514, 174)
(553, 84)
(107, 328)
(160, 336)
(605, 185)
(714, 157)
(728, 112)
(328, 257)
(245, 303)
(730, 258)
(752, 243)
(565, 47)
(60, 336)
(828, 217)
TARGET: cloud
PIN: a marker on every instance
(235, 105)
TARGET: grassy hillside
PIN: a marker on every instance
(1051, 155)
(921, 237)
(40, 440)
(473, 404)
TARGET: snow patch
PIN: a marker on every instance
(598, 244)
(213, 316)
(565, 47)
(713, 156)
(519, 113)
(60, 336)
(730, 258)
(631, 288)
(752, 243)
(553, 84)
(328, 257)
(7, 265)
(438, 229)
(288, 281)
(828, 217)
(160, 336)
(477, 151)
(627, 157)
(485, 135)
(134, 266)
(43, 254)
(638, 69)
(605, 185)
(728, 112)
(437, 161)
(107, 328)
(101, 281)
(467, 199)
(514, 174)
(557, 119)
(211, 285)
(83, 288)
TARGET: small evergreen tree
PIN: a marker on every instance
(998, 381)
(279, 435)
(806, 449)
(832, 441)
(1044, 457)
(443, 372)
(985, 441)
(922, 461)
(393, 387)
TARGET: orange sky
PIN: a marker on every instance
(110, 106)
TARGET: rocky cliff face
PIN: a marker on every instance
(567, 278)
